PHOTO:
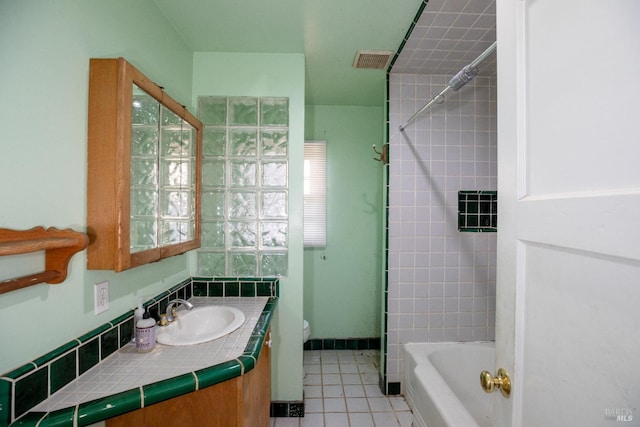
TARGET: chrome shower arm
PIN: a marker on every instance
(435, 100)
(461, 78)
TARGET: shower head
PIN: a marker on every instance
(463, 77)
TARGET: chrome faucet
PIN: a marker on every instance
(172, 306)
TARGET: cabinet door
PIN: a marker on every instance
(144, 170)
(144, 178)
(176, 219)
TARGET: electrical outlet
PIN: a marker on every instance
(100, 297)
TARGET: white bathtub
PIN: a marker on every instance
(442, 383)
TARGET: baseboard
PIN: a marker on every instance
(342, 344)
(389, 389)
(393, 388)
(282, 409)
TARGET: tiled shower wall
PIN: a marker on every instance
(441, 282)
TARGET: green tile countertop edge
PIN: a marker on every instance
(107, 407)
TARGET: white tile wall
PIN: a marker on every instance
(441, 282)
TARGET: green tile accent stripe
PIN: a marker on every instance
(232, 289)
(342, 344)
(94, 333)
(62, 417)
(63, 349)
(163, 390)
(478, 211)
(283, 409)
(407, 35)
(254, 345)
(63, 371)
(101, 409)
(88, 355)
(126, 332)
(235, 286)
(31, 390)
(247, 362)
(394, 388)
(109, 342)
(31, 419)
(180, 286)
(123, 318)
(18, 372)
(219, 373)
(5, 401)
(385, 279)
(26, 386)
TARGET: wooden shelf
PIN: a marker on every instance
(59, 247)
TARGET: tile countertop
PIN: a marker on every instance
(128, 380)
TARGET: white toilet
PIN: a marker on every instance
(307, 331)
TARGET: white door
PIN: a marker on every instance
(568, 305)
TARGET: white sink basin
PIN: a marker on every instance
(200, 325)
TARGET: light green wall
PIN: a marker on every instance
(342, 282)
(45, 48)
(281, 75)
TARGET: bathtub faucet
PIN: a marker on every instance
(171, 308)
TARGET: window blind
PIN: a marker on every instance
(315, 193)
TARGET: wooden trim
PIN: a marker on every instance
(102, 132)
(109, 174)
(244, 401)
(257, 390)
(59, 247)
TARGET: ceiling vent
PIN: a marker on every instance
(372, 59)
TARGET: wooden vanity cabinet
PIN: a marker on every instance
(256, 395)
(244, 401)
(144, 174)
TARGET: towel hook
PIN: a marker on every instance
(383, 154)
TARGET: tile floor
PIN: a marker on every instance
(341, 390)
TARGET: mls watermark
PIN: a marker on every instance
(619, 414)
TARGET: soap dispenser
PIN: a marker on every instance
(137, 316)
(145, 333)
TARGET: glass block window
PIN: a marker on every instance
(477, 211)
(245, 216)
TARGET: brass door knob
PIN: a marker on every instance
(490, 383)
